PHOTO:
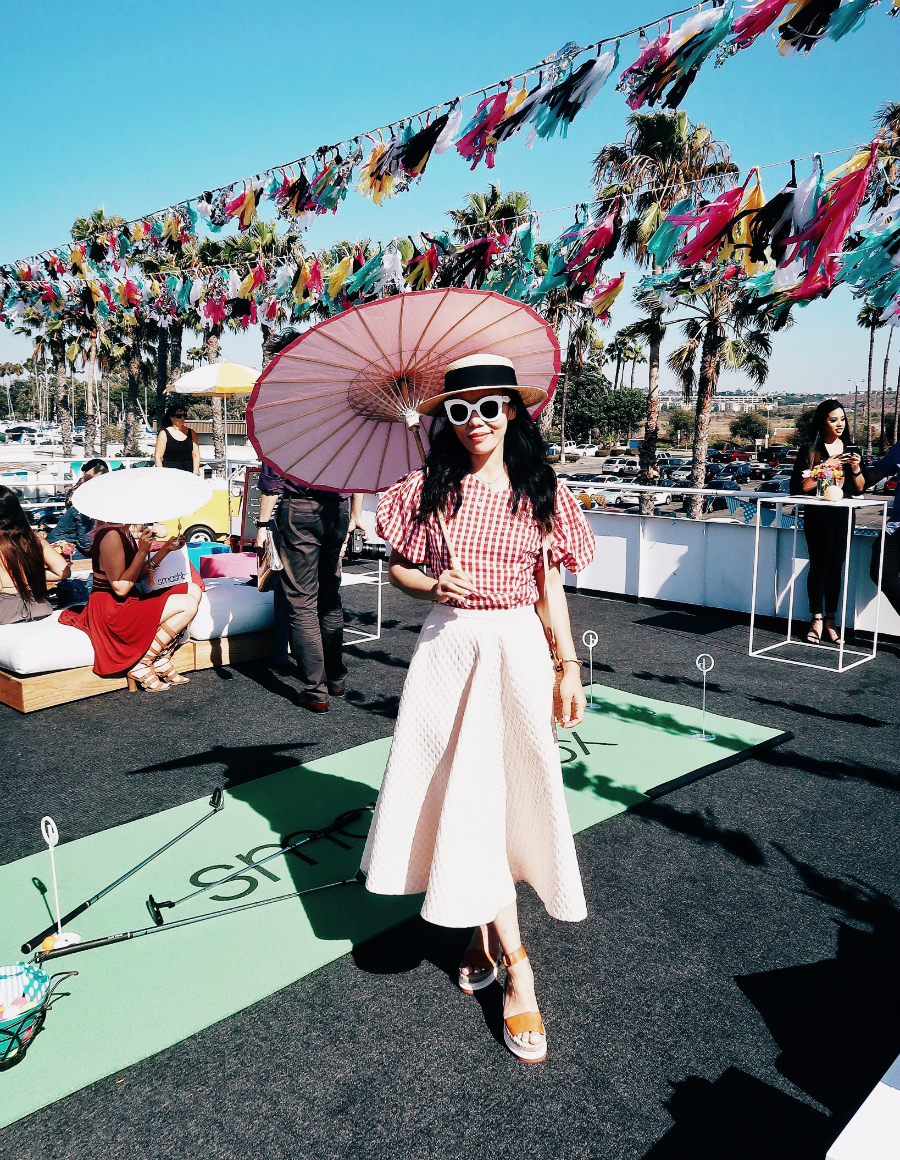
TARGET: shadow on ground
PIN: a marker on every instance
(834, 1022)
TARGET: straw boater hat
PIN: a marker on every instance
(478, 372)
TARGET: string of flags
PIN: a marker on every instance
(92, 292)
(562, 85)
(789, 249)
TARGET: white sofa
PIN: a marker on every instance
(228, 608)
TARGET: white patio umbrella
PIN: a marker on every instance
(221, 379)
(141, 495)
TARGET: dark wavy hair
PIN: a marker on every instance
(174, 409)
(20, 550)
(530, 475)
(817, 428)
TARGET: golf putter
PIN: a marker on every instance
(216, 802)
(155, 908)
(110, 939)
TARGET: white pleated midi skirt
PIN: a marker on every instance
(472, 800)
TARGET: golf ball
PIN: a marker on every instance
(49, 943)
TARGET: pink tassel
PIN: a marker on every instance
(710, 224)
(754, 23)
(584, 267)
(831, 225)
(477, 142)
(316, 283)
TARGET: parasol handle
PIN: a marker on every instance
(454, 559)
(445, 532)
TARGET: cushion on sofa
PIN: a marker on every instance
(230, 607)
(43, 646)
(239, 564)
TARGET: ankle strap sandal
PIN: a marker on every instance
(517, 1029)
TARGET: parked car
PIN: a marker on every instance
(585, 449)
(885, 486)
(761, 471)
(619, 465)
(724, 484)
(553, 449)
(778, 486)
(629, 498)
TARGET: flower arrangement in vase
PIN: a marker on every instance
(829, 480)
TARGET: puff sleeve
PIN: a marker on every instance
(572, 544)
(396, 518)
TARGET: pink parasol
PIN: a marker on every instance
(336, 409)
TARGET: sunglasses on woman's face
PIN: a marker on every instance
(489, 408)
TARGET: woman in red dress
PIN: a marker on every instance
(132, 631)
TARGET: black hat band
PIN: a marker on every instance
(475, 377)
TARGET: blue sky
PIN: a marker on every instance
(136, 105)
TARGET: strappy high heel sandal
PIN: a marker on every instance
(524, 1024)
(482, 971)
(813, 637)
(834, 637)
(164, 665)
(144, 675)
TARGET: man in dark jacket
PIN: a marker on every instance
(313, 526)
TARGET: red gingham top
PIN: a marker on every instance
(499, 550)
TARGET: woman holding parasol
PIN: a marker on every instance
(472, 800)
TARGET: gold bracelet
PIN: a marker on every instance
(571, 661)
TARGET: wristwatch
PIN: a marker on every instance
(264, 524)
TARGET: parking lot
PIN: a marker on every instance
(576, 473)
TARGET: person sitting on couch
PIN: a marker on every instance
(74, 532)
(27, 563)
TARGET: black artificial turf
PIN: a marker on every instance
(732, 993)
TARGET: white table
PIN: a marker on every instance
(767, 653)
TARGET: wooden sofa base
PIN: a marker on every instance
(45, 689)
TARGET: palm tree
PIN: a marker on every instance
(728, 334)
(887, 359)
(886, 177)
(663, 159)
(489, 213)
(93, 229)
(262, 243)
(111, 348)
(870, 318)
(637, 356)
(138, 338)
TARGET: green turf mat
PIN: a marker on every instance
(136, 998)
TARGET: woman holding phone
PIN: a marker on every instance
(826, 530)
(131, 631)
(472, 800)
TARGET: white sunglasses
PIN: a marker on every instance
(488, 408)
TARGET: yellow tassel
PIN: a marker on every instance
(299, 293)
(246, 287)
(515, 101)
(339, 277)
(739, 250)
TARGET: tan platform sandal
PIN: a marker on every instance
(524, 1024)
(482, 971)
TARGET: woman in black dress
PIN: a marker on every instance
(825, 530)
(176, 444)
